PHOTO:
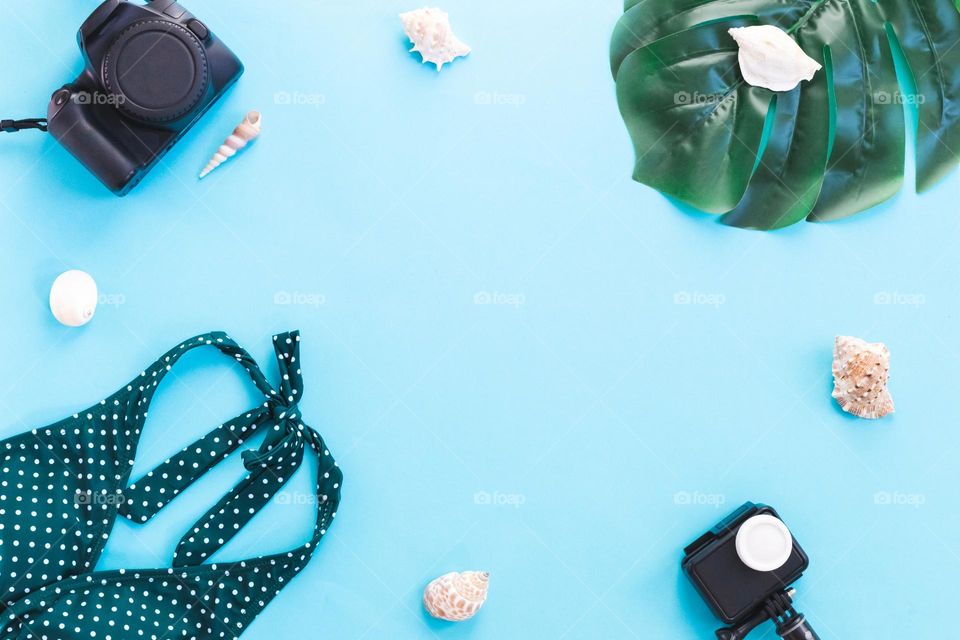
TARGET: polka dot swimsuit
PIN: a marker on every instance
(62, 487)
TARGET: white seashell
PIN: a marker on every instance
(73, 298)
(456, 596)
(860, 373)
(770, 58)
(430, 32)
(245, 133)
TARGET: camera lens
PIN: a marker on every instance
(156, 71)
(764, 543)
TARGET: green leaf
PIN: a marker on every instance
(836, 144)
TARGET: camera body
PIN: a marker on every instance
(736, 593)
(151, 72)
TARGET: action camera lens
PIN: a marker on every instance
(156, 71)
(764, 543)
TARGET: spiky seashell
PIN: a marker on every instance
(456, 596)
(432, 36)
(860, 373)
(245, 133)
(73, 298)
(770, 58)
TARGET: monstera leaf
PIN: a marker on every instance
(828, 149)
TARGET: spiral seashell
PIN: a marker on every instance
(770, 58)
(73, 298)
(456, 596)
(860, 374)
(432, 36)
(245, 133)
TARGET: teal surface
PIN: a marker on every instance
(523, 361)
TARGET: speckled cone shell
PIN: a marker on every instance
(770, 58)
(860, 373)
(430, 32)
(456, 596)
(243, 135)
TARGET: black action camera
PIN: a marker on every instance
(151, 72)
(742, 596)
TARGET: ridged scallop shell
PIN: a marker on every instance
(245, 133)
(432, 36)
(860, 373)
(456, 596)
(770, 58)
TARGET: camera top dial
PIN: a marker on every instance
(156, 71)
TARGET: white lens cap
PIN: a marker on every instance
(764, 543)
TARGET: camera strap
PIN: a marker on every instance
(12, 126)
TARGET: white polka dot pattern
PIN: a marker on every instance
(62, 487)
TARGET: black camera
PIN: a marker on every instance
(152, 70)
(743, 568)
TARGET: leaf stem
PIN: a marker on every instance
(806, 17)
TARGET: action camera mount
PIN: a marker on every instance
(779, 608)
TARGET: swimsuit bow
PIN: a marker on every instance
(269, 466)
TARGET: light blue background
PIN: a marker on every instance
(588, 411)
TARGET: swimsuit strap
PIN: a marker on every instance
(144, 387)
(269, 466)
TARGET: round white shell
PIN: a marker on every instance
(456, 596)
(73, 298)
(771, 59)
